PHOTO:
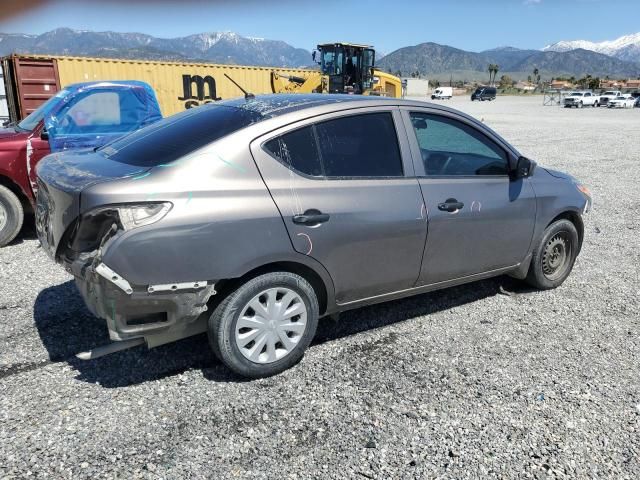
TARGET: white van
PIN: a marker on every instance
(442, 93)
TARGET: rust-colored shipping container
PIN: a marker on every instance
(33, 79)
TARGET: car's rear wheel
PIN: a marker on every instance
(263, 327)
(11, 215)
(553, 258)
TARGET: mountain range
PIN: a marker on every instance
(625, 48)
(215, 47)
(440, 61)
(617, 58)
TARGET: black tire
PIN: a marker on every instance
(554, 256)
(11, 215)
(222, 324)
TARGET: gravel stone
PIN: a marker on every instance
(502, 381)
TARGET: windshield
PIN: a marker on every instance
(576, 95)
(609, 93)
(176, 136)
(32, 120)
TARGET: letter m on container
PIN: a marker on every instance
(192, 100)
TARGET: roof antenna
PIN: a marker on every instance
(247, 95)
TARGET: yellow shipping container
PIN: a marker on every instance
(177, 85)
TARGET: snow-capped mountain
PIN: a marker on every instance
(218, 47)
(625, 48)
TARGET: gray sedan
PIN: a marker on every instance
(252, 218)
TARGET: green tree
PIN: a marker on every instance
(506, 81)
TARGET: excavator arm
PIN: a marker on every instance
(314, 83)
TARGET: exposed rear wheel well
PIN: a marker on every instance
(26, 204)
(223, 287)
(574, 218)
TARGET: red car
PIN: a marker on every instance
(83, 115)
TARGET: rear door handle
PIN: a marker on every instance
(450, 205)
(311, 217)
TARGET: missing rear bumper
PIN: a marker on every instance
(156, 313)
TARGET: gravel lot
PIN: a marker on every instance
(484, 380)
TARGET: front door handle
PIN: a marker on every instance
(311, 217)
(450, 205)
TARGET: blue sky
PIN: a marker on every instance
(467, 24)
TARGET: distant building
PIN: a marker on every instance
(609, 84)
(632, 84)
(526, 86)
(416, 87)
(562, 85)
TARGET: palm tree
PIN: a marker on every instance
(536, 75)
(493, 71)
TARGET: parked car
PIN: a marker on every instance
(484, 93)
(442, 93)
(622, 102)
(82, 115)
(581, 99)
(609, 95)
(250, 219)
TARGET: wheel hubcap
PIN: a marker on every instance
(3, 217)
(271, 325)
(557, 253)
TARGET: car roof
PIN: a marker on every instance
(275, 110)
(275, 105)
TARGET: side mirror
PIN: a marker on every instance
(524, 168)
(44, 135)
(419, 124)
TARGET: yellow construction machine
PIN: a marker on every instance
(344, 68)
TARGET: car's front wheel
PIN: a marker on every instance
(264, 326)
(554, 256)
(11, 216)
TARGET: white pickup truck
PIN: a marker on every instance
(581, 99)
(609, 95)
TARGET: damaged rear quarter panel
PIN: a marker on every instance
(222, 224)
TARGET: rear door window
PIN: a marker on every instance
(355, 146)
(360, 146)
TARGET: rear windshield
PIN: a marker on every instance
(176, 136)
